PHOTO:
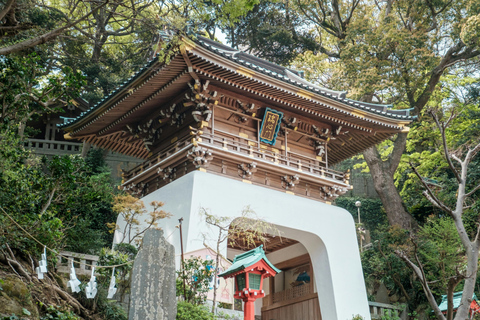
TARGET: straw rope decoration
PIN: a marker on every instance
(69, 258)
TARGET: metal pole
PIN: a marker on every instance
(183, 263)
(358, 204)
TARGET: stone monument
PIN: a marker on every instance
(153, 280)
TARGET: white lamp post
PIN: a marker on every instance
(358, 204)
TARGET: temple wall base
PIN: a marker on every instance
(327, 232)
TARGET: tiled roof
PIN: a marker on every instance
(268, 68)
(457, 297)
(245, 260)
(121, 87)
(293, 77)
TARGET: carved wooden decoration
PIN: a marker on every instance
(289, 182)
(201, 99)
(173, 113)
(168, 174)
(196, 133)
(319, 147)
(135, 189)
(245, 108)
(145, 131)
(330, 193)
(290, 123)
(199, 156)
(247, 170)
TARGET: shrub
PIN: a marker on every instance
(188, 311)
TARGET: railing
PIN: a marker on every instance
(289, 294)
(179, 144)
(251, 148)
(50, 147)
(292, 293)
(230, 142)
(81, 262)
(377, 310)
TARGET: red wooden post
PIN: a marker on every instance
(249, 312)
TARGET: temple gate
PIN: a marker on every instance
(221, 129)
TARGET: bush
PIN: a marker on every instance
(188, 311)
(57, 314)
(197, 277)
(58, 200)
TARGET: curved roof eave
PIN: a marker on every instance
(120, 89)
(290, 76)
(255, 64)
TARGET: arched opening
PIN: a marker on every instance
(291, 294)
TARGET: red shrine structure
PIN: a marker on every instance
(250, 269)
(221, 129)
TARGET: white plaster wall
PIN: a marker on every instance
(327, 232)
(291, 252)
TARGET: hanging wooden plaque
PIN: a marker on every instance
(270, 126)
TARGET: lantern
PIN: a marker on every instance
(250, 269)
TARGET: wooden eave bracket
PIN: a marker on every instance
(184, 52)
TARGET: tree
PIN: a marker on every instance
(457, 206)
(394, 52)
(131, 209)
(48, 197)
(246, 231)
(197, 275)
(109, 48)
(47, 200)
(210, 15)
(25, 24)
(269, 32)
(29, 86)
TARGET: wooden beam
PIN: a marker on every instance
(294, 262)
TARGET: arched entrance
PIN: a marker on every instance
(326, 232)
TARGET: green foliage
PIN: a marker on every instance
(189, 311)
(437, 247)
(268, 31)
(110, 257)
(382, 265)
(425, 151)
(53, 313)
(95, 160)
(29, 86)
(123, 254)
(441, 252)
(372, 213)
(389, 315)
(110, 310)
(198, 274)
(59, 201)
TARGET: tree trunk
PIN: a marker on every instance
(85, 148)
(382, 175)
(392, 202)
(469, 285)
(217, 265)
